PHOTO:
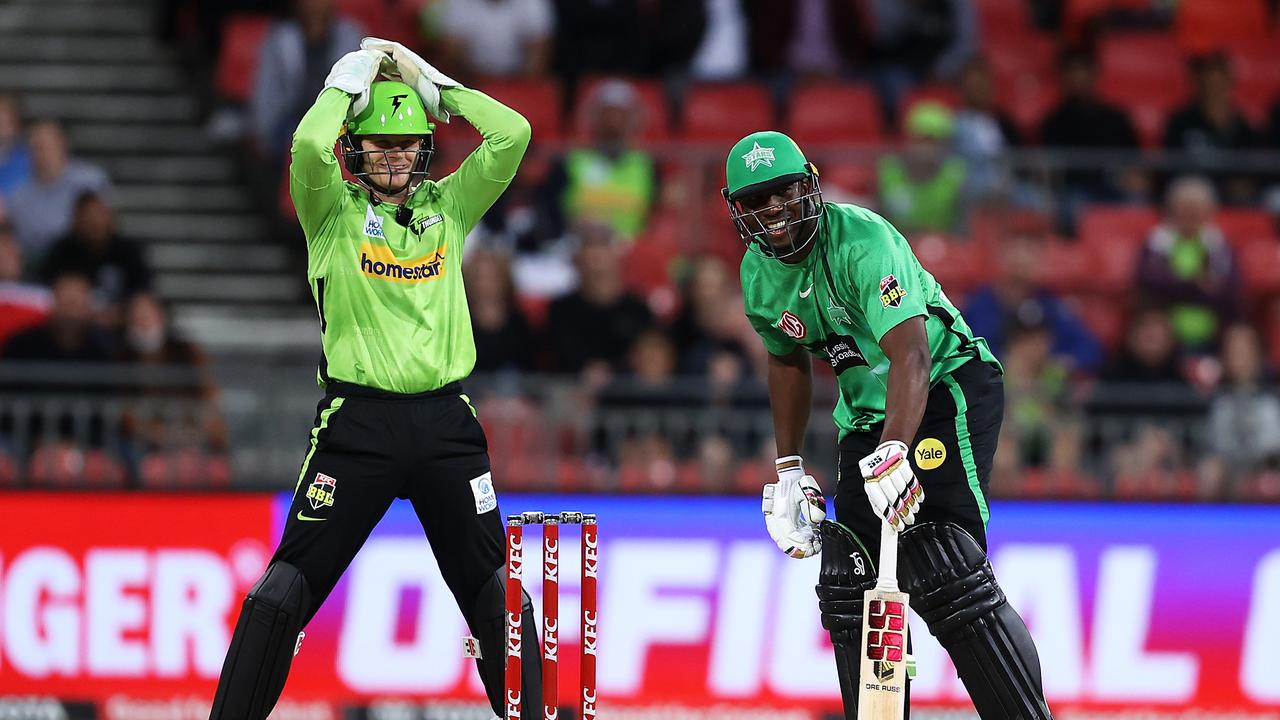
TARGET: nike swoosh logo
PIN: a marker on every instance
(304, 518)
(805, 293)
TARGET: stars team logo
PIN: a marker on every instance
(758, 156)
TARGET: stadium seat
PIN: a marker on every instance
(1077, 14)
(242, 36)
(959, 266)
(64, 464)
(1145, 73)
(1065, 267)
(945, 94)
(1113, 235)
(656, 119)
(835, 113)
(8, 471)
(722, 114)
(1105, 316)
(1256, 68)
(1242, 226)
(1205, 25)
(1002, 21)
(185, 469)
(1025, 78)
(371, 15)
(537, 100)
(854, 179)
(1260, 267)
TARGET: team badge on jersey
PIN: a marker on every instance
(422, 223)
(838, 314)
(891, 293)
(372, 224)
(791, 326)
(321, 491)
(758, 156)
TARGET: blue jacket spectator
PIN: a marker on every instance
(1018, 300)
(15, 157)
(42, 208)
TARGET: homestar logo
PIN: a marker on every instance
(381, 263)
(758, 156)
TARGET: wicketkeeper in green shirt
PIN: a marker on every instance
(919, 411)
(385, 266)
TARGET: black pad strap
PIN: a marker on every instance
(954, 590)
(846, 573)
(263, 644)
(488, 620)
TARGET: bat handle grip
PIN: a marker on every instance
(888, 577)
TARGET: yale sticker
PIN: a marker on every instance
(930, 453)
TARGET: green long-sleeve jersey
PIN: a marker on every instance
(393, 309)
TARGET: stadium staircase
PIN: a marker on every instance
(96, 66)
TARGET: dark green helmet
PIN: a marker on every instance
(759, 166)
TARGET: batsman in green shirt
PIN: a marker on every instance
(920, 405)
(385, 266)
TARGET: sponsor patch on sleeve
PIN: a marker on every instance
(891, 293)
(482, 489)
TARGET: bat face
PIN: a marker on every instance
(883, 675)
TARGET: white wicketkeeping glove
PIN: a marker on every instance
(793, 509)
(891, 486)
(354, 73)
(416, 73)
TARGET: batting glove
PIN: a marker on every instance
(793, 509)
(891, 486)
(354, 73)
(416, 73)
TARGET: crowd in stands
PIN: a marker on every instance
(74, 291)
(1088, 180)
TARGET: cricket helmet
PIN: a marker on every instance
(763, 164)
(394, 109)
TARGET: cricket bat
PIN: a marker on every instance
(882, 675)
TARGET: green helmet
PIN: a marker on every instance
(766, 163)
(394, 108)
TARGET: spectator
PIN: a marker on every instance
(15, 157)
(1150, 352)
(69, 334)
(1018, 298)
(722, 51)
(705, 331)
(1244, 419)
(504, 341)
(295, 58)
(1187, 267)
(41, 209)
(1211, 125)
(608, 180)
(591, 329)
(495, 38)
(95, 250)
(921, 189)
(606, 38)
(984, 134)
(23, 305)
(1084, 121)
(806, 39)
(917, 41)
(174, 406)
(1039, 426)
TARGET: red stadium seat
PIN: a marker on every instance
(1104, 316)
(537, 100)
(656, 118)
(1205, 25)
(1256, 69)
(1260, 267)
(1242, 226)
(371, 15)
(1065, 267)
(853, 179)
(242, 36)
(1002, 21)
(185, 469)
(723, 114)
(1025, 78)
(844, 113)
(1113, 236)
(1079, 13)
(957, 265)
(64, 465)
(1145, 73)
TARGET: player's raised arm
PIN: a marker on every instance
(489, 169)
(315, 181)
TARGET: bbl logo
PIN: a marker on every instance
(891, 293)
(321, 491)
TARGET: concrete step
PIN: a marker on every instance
(128, 138)
(205, 256)
(230, 288)
(22, 47)
(193, 227)
(25, 77)
(115, 18)
(184, 169)
(114, 107)
(222, 328)
(191, 198)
